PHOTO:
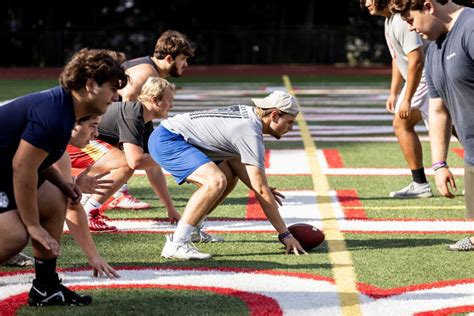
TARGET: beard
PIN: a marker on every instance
(174, 72)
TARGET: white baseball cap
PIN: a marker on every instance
(281, 100)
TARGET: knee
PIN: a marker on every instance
(217, 183)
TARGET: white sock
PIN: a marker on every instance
(183, 232)
(91, 204)
(84, 198)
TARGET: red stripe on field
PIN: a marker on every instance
(333, 158)
(351, 205)
(254, 210)
(267, 158)
(459, 152)
(257, 304)
(447, 311)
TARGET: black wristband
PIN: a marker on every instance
(284, 235)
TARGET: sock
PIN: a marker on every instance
(91, 205)
(419, 176)
(183, 232)
(45, 270)
(84, 198)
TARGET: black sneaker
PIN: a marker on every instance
(56, 294)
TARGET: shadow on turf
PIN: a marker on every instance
(395, 243)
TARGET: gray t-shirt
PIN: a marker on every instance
(223, 133)
(401, 41)
(450, 76)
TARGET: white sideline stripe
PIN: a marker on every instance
(295, 295)
(279, 159)
(302, 207)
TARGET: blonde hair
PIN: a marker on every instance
(154, 87)
(261, 113)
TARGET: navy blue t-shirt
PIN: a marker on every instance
(44, 119)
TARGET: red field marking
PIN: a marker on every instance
(333, 158)
(267, 158)
(459, 152)
(256, 303)
(351, 205)
(254, 210)
(447, 311)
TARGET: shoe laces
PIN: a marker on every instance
(127, 196)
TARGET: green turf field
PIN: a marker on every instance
(402, 252)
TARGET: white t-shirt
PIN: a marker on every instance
(223, 133)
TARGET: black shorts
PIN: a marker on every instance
(7, 197)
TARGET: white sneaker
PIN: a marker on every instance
(127, 201)
(184, 251)
(199, 235)
(413, 191)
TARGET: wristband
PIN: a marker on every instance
(439, 165)
(284, 235)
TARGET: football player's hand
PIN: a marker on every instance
(173, 216)
(444, 181)
(293, 245)
(40, 235)
(102, 268)
(93, 184)
(277, 195)
(405, 110)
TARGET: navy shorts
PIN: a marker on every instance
(174, 154)
(7, 196)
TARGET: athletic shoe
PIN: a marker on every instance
(413, 191)
(199, 235)
(97, 224)
(464, 244)
(57, 294)
(20, 260)
(128, 201)
(183, 251)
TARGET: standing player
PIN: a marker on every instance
(408, 98)
(212, 150)
(34, 133)
(127, 125)
(450, 76)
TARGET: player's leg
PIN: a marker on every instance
(103, 158)
(47, 288)
(410, 145)
(199, 235)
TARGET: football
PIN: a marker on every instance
(308, 235)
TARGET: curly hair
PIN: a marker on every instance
(402, 6)
(173, 43)
(102, 65)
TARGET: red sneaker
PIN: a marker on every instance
(97, 224)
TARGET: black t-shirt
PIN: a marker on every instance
(124, 123)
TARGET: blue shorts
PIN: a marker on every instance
(174, 154)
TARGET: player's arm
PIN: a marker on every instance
(26, 163)
(396, 84)
(440, 134)
(256, 180)
(76, 220)
(158, 183)
(415, 70)
(136, 158)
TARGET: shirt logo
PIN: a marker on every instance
(4, 200)
(450, 56)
